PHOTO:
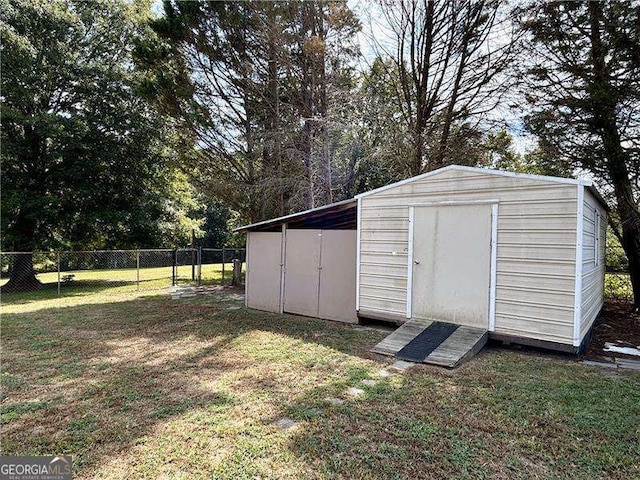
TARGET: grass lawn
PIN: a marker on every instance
(137, 385)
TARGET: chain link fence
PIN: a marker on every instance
(617, 283)
(72, 272)
(117, 270)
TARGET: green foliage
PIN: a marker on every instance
(574, 102)
(499, 152)
(9, 412)
(216, 225)
(371, 150)
(86, 162)
(616, 260)
(617, 286)
(582, 88)
(261, 88)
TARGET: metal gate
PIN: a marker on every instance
(186, 266)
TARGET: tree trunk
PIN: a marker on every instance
(418, 151)
(631, 245)
(604, 102)
(307, 87)
(627, 210)
(629, 215)
(22, 276)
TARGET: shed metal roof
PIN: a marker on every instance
(544, 178)
(342, 214)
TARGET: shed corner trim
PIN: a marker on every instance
(358, 237)
(577, 306)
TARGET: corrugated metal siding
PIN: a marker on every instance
(592, 274)
(536, 248)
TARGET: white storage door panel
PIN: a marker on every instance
(338, 276)
(264, 254)
(452, 264)
(302, 278)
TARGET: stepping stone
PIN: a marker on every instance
(402, 366)
(234, 308)
(356, 392)
(285, 423)
(369, 383)
(385, 373)
(336, 402)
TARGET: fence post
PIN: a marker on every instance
(173, 269)
(193, 254)
(58, 262)
(237, 272)
(222, 280)
(200, 265)
(138, 270)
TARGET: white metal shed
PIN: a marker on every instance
(521, 256)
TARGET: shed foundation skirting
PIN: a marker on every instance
(533, 342)
(396, 319)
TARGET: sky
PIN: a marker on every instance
(375, 27)
(375, 30)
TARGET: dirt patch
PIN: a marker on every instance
(616, 325)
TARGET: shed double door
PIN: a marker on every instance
(319, 279)
(451, 267)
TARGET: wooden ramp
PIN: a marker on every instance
(433, 342)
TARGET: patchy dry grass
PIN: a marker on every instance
(146, 387)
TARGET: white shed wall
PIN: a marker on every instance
(537, 231)
(593, 261)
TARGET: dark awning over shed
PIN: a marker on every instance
(335, 216)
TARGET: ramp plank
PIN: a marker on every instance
(401, 337)
(463, 344)
(433, 342)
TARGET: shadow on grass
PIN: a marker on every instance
(184, 379)
(92, 380)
